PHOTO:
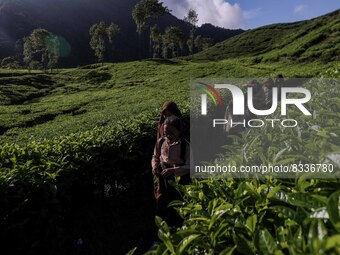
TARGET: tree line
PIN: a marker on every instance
(172, 42)
(41, 49)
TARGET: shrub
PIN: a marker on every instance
(75, 192)
(10, 63)
(268, 216)
(97, 76)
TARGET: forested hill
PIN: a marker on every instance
(315, 39)
(72, 20)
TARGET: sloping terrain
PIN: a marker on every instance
(40, 105)
(71, 100)
(315, 39)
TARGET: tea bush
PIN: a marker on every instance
(268, 215)
(77, 193)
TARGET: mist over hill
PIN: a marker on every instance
(72, 19)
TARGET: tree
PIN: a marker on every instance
(97, 41)
(139, 16)
(28, 52)
(144, 11)
(53, 46)
(41, 47)
(190, 45)
(202, 43)
(192, 19)
(173, 39)
(112, 31)
(99, 34)
(156, 40)
(165, 48)
(207, 42)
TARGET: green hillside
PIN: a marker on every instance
(76, 145)
(304, 41)
(79, 186)
(39, 105)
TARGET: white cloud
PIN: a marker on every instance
(300, 9)
(216, 12)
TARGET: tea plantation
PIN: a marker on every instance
(75, 177)
(76, 145)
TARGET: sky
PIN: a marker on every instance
(248, 14)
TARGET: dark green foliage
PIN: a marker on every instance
(55, 192)
(41, 49)
(100, 33)
(202, 43)
(269, 215)
(112, 31)
(155, 41)
(10, 63)
(192, 19)
(146, 10)
(97, 42)
(81, 186)
(53, 49)
(173, 40)
(143, 12)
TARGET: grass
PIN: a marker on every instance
(38, 105)
(96, 102)
(42, 105)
